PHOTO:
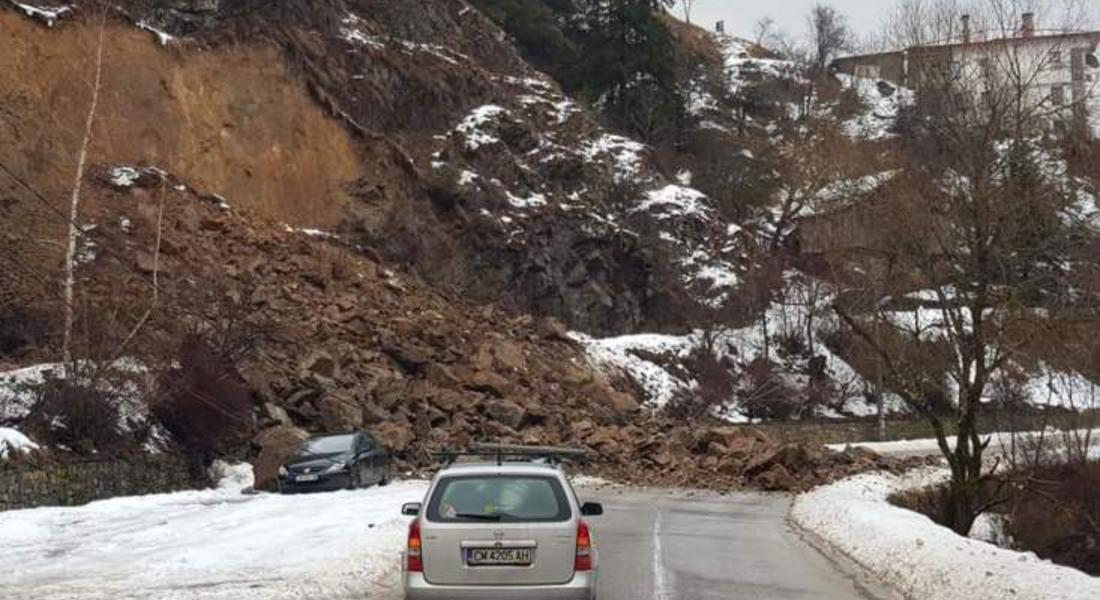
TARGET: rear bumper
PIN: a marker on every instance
(327, 483)
(583, 587)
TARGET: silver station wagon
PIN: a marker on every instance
(501, 531)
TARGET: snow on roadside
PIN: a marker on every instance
(211, 544)
(232, 477)
(921, 559)
(13, 441)
(1002, 442)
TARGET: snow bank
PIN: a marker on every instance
(921, 559)
(232, 477)
(12, 441)
(213, 544)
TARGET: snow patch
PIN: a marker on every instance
(232, 477)
(675, 201)
(49, 15)
(19, 391)
(621, 353)
(162, 36)
(625, 155)
(884, 101)
(473, 127)
(13, 441)
(924, 560)
(532, 201)
(124, 177)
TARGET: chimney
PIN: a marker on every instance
(966, 29)
(720, 27)
(1028, 28)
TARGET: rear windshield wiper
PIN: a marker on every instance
(478, 517)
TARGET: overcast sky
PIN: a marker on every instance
(864, 16)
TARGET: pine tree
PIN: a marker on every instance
(627, 65)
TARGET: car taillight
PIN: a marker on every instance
(583, 562)
(413, 551)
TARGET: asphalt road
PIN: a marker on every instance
(664, 545)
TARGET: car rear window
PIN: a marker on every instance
(329, 444)
(499, 498)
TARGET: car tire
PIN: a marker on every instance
(385, 480)
(354, 479)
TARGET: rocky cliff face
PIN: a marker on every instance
(475, 168)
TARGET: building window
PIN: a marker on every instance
(1055, 58)
(1058, 95)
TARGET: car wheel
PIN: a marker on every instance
(354, 479)
(385, 480)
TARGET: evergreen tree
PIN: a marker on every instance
(627, 65)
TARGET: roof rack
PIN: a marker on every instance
(502, 452)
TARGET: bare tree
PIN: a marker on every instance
(688, 7)
(764, 32)
(978, 218)
(74, 199)
(829, 35)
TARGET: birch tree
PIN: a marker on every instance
(74, 199)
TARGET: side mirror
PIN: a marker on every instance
(591, 509)
(411, 509)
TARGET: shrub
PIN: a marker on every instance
(205, 404)
(77, 414)
(715, 381)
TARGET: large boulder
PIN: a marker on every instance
(276, 444)
(777, 479)
(395, 436)
(506, 412)
(510, 357)
(340, 413)
(619, 403)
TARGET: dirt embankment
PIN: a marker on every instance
(230, 119)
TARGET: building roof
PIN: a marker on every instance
(980, 43)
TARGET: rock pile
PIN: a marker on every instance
(345, 343)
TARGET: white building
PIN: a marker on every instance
(1057, 71)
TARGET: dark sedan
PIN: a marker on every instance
(335, 462)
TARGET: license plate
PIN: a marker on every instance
(480, 557)
(307, 478)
